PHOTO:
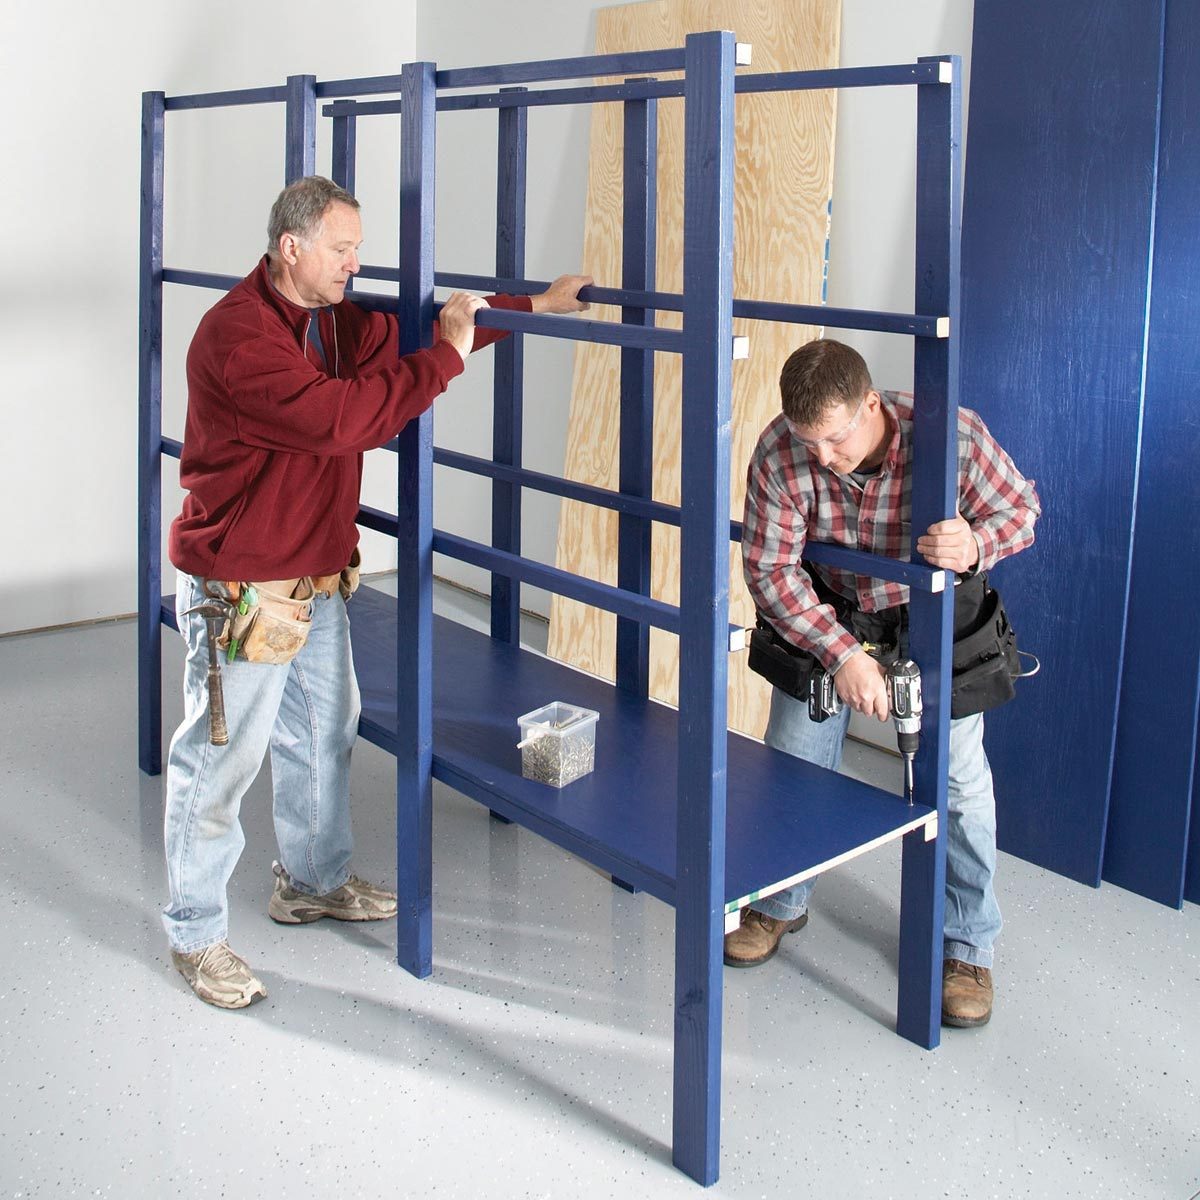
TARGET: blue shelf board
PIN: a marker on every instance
(786, 819)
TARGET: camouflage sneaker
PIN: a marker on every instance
(355, 900)
(219, 977)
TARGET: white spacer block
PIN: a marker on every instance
(938, 582)
(743, 52)
(931, 828)
(943, 327)
(945, 72)
(739, 639)
(741, 346)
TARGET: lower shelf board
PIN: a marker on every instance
(786, 820)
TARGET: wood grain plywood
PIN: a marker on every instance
(784, 175)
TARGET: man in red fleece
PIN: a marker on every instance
(288, 384)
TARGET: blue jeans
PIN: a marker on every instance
(972, 920)
(306, 713)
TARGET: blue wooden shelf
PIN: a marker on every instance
(702, 819)
(787, 819)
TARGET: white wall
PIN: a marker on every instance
(74, 73)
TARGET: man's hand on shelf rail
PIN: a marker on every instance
(457, 321)
(562, 296)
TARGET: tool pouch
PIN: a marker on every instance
(348, 584)
(781, 664)
(985, 661)
(276, 628)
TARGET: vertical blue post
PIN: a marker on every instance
(344, 158)
(934, 498)
(300, 158)
(414, 542)
(150, 439)
(639, 241)
(704, 606)
(345, 150)
(508, 386)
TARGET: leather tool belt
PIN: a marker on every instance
(985, 661)
(277, 616)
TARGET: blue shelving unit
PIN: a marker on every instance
(700, 818)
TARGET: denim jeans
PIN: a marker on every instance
(972, 919)
(306, 713)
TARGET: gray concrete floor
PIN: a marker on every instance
(536, 1061)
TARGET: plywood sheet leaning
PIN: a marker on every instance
(784, 176)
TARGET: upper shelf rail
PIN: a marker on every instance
(650, 62)
(909, 324)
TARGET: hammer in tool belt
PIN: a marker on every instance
(215, 612)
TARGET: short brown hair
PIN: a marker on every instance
(819, 376)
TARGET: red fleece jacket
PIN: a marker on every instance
(273, 444)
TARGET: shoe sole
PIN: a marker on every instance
(965, 1022)
(215, 1001)
(307, 916)
(793, 927)
(255, 997)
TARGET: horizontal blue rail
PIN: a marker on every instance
(660, 89)
(915, 575)
(910, 324)
(261, 95)
(643, 62)
(591, 67)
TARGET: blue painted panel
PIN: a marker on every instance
(508, 386)
(1191, 882)
(785, 815)
(704, 600)
(150, 438)
(300, 158)
(639, 241)
(414, 540)
(1156, 730)
(934, 498)
(1056, 239)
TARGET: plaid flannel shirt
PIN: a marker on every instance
(790, 498)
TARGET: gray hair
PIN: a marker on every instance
(300, 209)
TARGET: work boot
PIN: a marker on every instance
(355, 900)
(966, 994)
(219, 977)
(758, 938)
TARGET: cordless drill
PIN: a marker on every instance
(904, 699)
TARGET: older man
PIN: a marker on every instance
(288, 384)
(834, 466)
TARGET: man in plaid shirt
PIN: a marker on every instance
(834, 466)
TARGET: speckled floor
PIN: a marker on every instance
(536, 1061)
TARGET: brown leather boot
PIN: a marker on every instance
(966, 994)
(757, 938)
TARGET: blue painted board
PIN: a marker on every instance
(150, 437)
(1056, 240)
(1151, 798)
(785, 815)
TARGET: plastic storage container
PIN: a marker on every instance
(558, 743)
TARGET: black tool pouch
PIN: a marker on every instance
(985, 661)
(780, 663)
